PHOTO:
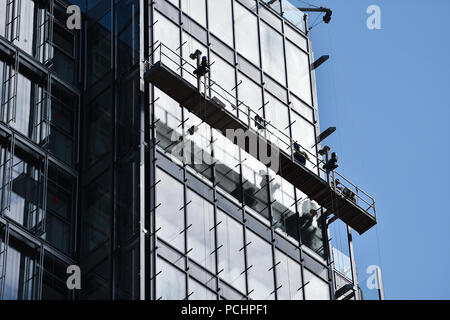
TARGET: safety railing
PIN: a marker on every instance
(240, 110)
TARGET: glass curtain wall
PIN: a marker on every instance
(235, 65)
(111, 158)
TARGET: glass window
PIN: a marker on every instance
(201, 239)
(310, 221)
(302, 108)
(22, 272)
(251, 95)
(292, 14)
(221, 20)
(295, 37)
(284, 215)
(29, 108)
(26, 28)
(98, 58)
(27, 191)
(60, 189)
(200, 292)
(168, 128)
(289, 277)
(98, 213)
(64, 66)
(298, 72)
(272, 53)
(98, 134)
(61, 124)
(315, 288)
(277, 113)
(260, 274)
(246, 29)
(304, 133)
(227, 168)
(230, 256)
(197, 146)
(54, 285)
(168, 34)
(196, 9)
(170, 214)
(170, 282)
(189, 47)
(2, 18)
(223, 74)
(254, 173)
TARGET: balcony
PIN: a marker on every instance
(338, 195)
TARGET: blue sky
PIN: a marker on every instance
(391, 108)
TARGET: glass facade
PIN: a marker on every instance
(225, 224)
(103, 170)
(39, 129)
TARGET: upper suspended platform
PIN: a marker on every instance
(339, 197)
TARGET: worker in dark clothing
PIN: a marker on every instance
(349, 194)
(332, 163)
(299, 155)
(203, 68)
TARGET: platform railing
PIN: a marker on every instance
(284, 142)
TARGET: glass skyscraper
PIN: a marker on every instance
(114, 159)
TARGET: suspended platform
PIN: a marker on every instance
(358, 212)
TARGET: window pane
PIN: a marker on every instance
(260, 275)
(223, 74)
(304, 133)
(310, 221)
(59, 209)
(301, 108)
(30, 104)
(277, 113)
(254, 173)
(98, 213)
(170, 282)
(231, 257)
(99, 49)
(26, 195)
(201, 239)
(197, 146)
(221, 20)
(99, 128)
(2, 19)
(199, 292)
(196, 9)
(289, 277)
(22, 273)
(298, 72)
(272, 53)
(54, 285)
(283, 209)
(189, 47)
(168, 126)
(168, 34)
(169, 217)
(251, 95)
(315, 288)
(26, 28)
(227, 168)
(246, 29)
